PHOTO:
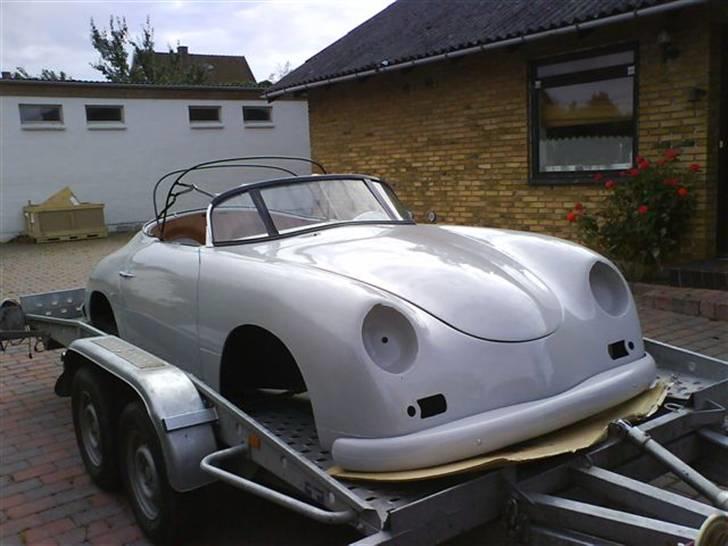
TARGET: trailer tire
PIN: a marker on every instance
(94, 426)
(160, 511)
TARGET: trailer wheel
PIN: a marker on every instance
(93, 424)
(160, 511)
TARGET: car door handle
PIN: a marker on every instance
(126, 274)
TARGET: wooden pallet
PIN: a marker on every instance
(72, 237)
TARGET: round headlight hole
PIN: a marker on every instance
(411, 411)
(389, 339)
(608, 289)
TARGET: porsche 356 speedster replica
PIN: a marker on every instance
(417, 344)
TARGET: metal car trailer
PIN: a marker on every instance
(600, 496)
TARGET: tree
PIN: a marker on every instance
(114, 46)
(280, 71)
(45, 74)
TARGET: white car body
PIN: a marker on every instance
(418, 345)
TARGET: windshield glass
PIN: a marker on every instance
(304, 205)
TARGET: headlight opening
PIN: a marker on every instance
(389, 339)
(608, 288)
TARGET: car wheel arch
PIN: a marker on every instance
(247, 347)
(101, 313)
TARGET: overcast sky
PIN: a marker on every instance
(55, 34)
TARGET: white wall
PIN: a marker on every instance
(119, 167)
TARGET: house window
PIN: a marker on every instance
(41, 114)
(205, 114)
(102, 113)
(257, 115)
(583, 115)
(104, 116)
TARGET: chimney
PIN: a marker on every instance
(7, 75)
(183, 50)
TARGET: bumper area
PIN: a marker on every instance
(494, 429)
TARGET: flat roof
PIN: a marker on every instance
(83, 88)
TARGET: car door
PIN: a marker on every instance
(159, 294)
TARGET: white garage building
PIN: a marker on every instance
(111, 142)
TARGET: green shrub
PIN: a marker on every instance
(646, 212)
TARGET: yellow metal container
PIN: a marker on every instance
(63, 218)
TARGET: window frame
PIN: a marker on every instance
(536, 177)
(106, 124)
(258, 123)
(205, 124)
(42, 124)
(254, 189)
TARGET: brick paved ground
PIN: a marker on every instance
(30, 268)
(46, 497)
(698, 334)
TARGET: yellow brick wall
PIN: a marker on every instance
(453, 136)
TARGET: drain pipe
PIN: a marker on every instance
(386, 67)
(685, 472)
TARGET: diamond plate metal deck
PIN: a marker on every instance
(291, 420)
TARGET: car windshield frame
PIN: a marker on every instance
(388, 204)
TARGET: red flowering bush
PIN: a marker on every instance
(646, 211)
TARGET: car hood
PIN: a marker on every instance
(467, 283)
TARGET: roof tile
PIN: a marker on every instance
(412, 29)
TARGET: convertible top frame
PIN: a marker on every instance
(161, 215)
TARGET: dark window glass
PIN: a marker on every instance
(34, 113)
(104, 113)
(257, 113)
(204, 113)
(584, 114)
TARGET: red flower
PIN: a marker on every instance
(661, 162)
(643, 164)
(682, 192)
(694, 167)
(571, 217)
(609, 184)
(642, 209)
(578, 207)
(639, 159)
(670, 182)
(598, 176)
(634, 172)
(671, 154)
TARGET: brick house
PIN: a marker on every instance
(498, 113)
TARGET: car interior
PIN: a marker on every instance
(228, 225)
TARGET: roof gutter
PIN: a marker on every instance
(116, 85)
(524, 38)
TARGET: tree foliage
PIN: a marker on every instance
(115, 47)
(45, 74)
(280, 71)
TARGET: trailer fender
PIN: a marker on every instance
(178, 412)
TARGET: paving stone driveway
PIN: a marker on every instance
(46, 497)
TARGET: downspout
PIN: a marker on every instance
(677, 4)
